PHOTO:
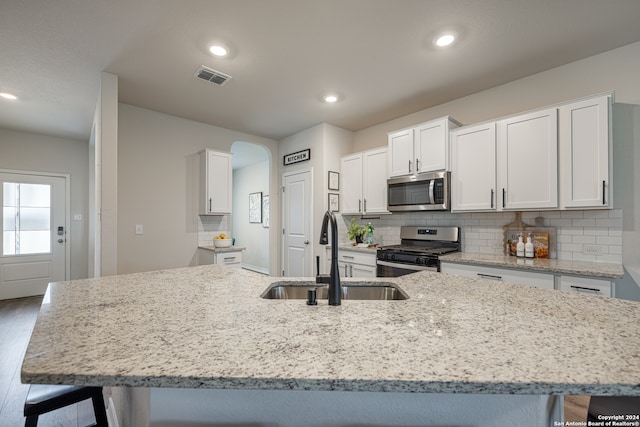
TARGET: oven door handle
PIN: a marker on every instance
(407, 266)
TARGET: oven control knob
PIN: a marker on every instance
(419, 261)
(392, 257)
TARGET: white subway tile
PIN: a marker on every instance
(578, 256)
(584, 222)
(596, 214)
(596, 232)
(571, 214)
(609, 258)
(615, 213)
(610, 223)
(616, 240)
(590, 240)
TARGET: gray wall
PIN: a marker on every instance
(158, 174)
(43, 153)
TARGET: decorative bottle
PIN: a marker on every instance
(528, 247)
(370, 234)
(520, 246)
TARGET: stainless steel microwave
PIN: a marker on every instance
(423, 192)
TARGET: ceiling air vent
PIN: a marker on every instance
(213, 76)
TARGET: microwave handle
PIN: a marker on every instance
(432, 184)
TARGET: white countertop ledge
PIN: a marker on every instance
(207, 327)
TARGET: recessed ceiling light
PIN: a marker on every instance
(444, 40)
(218, 50)
(330, 98)
(8, 96)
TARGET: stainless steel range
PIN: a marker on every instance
(419, 249)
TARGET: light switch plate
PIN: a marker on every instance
(139, 229)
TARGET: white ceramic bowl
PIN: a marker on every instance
(222, 243)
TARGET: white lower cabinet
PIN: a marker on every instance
(354, 263)
(520, 277)
(586, 285)
(233, 258)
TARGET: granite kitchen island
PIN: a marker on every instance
(207, 328)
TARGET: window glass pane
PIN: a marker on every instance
(26, 219)
(35, 195)
(9, 243)
(34, 219)
(34, 242)
(9, 190)
(9, 219)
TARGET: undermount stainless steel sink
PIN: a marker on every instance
(350, 290)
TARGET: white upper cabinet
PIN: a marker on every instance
(585, 154)
(215, 183)
(364, 182)
(528, 161)
(351, 185)
(473, 168)
(423, 148)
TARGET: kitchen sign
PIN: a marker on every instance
(300, 156)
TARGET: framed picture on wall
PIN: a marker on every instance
(255, 207)
(265, 211)
(334, 181)
(334, 202)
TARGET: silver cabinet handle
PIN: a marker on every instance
(210, 201)
(345, 271)
(409, 166)
(504, 197)
(347, 257)
(492, 198)
(365, 206)
(351, 271)
(489, 276)
(359, 205)
(604, 184)
(417, 165)
(582, 288)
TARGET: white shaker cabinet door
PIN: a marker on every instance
(351, 185)
(473, 168)
(585, 154)
(528, 161)
(431, 148)
(374, 181)
(401, 158)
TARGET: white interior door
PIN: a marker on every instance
(33, 237)
(297, 197)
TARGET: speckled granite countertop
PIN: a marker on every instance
(223, 250)
(581, 268)
(207, 327)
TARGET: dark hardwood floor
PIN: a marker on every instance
(17, 318)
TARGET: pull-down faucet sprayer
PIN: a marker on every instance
(335, 290)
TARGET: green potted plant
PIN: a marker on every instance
(356, 231)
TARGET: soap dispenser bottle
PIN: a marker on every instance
(520, 246)
(528, 247)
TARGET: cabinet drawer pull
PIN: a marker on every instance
(582, 288)
(359, 205)
(230, 258)
(347, 257)
(504, 196)
(492, 198)
(409, 166)
(489, 276)
(365, 206)
(417, 165)
(603, 188)
(210, 208)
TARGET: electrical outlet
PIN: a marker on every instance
(591, 249)
(139, 229)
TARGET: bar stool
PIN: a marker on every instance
(46, 398)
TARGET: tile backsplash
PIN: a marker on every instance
(211, 226)
(593, 235)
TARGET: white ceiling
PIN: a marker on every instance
(285, 54)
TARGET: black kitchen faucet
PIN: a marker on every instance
(335, 290)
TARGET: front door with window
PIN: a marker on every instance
(33, 237)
